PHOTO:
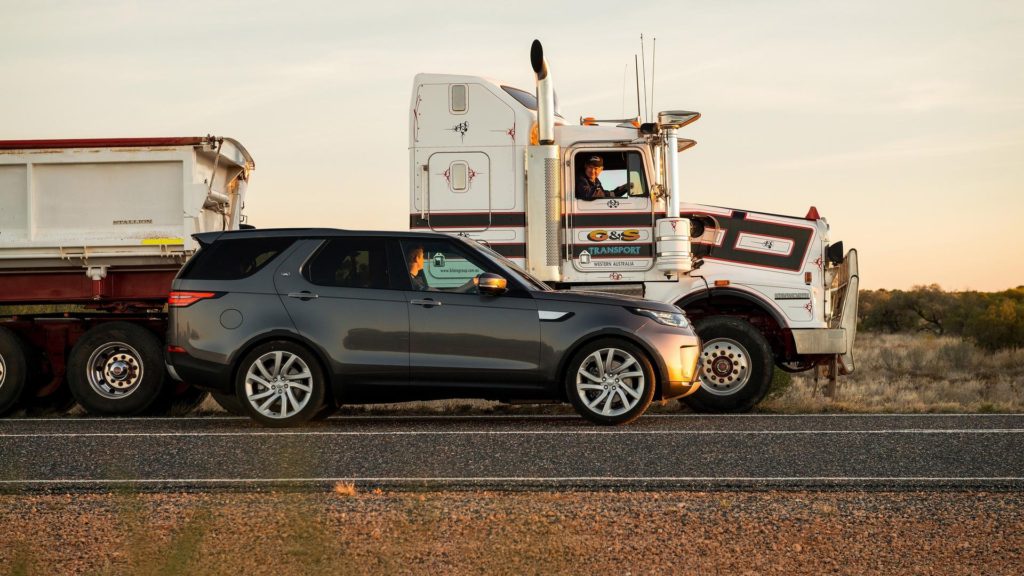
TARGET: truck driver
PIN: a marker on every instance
(588, 187)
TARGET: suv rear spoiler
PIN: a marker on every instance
(206, 238)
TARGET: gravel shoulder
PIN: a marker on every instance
(605, 532)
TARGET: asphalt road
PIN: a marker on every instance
(517, 452)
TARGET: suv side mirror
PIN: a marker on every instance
(491, 284)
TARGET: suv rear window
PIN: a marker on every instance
(234, 259)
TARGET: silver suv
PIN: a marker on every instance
(286, 325)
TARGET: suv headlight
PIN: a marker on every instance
(676, 319)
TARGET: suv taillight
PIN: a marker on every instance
(182, 299)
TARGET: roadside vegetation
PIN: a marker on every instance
(924, 350)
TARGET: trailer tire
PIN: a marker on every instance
(116, 369)
(230, 403)
(736, 366)
(13, 370)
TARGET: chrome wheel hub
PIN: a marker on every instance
(278, 384)
(114, 370)
(610, 382)
(725, 367)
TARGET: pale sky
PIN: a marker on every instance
(902, 121)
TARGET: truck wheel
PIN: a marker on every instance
(735, 366)
(610, 382)
(13, 370)
(230, 403)
(116, 369)
(280, 384)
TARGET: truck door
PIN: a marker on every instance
(610, 235)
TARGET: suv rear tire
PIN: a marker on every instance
(280, 384)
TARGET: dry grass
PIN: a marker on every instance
(914, 373)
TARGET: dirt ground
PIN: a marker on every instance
(352, 532)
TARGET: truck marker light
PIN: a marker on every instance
(720, 283)
(807, 278)
(182, 299)
(812, 214)
(175, 350)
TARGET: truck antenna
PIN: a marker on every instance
(654, 52)
(625, 72)
(643, 58)
(636, 68)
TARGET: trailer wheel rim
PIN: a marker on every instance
(610, 382)
(279, 384)
(3, 370)
(724, 367)
(115, 370)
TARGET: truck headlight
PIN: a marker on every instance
(676, 319)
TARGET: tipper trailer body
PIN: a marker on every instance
(92, 232)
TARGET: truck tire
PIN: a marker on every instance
(735, 366)
(116, 369)
(13, 370)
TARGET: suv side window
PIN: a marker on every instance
(442, 265)
(234, 259)
(350, 262)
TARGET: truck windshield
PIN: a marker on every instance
(529, 100)
(522, 275)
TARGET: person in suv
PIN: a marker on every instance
(285, 325)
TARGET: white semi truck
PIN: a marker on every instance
(499, 165)
(92, 232)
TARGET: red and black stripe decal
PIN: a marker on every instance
(510, 249)
(737, 223)
(610, 220)
(468, 220)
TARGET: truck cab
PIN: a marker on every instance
(597, 206)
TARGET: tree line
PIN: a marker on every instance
(993, 320)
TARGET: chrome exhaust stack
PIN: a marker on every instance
(545, 95)
(543, 181)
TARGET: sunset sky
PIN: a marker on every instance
(903, 122)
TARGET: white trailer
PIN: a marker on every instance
(498, 164)
(92, 232)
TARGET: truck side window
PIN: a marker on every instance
(619, 169)
(350, 262)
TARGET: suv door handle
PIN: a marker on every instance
(428, 302)
(304, 295)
